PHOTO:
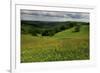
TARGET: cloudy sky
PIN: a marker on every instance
(33, 15)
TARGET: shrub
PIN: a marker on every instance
(77, 28)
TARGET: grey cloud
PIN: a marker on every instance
(54, 16)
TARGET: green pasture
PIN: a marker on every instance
(63, 46)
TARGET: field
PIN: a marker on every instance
(63, 46)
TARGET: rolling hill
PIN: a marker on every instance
(63, 46)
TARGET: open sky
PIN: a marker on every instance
(39, 15)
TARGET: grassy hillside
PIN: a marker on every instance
(83, 33)
(64, 45)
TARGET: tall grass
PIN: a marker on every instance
(65, 45)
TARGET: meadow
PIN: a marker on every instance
(65, 45)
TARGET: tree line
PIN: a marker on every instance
(43, 28)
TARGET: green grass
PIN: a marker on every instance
(65, 45)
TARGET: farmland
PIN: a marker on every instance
(62, 45)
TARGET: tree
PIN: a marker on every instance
(62, 27)
(45, 33)
(77, 28)
(48, 32)
(33, 32)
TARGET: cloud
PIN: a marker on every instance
(53, 16)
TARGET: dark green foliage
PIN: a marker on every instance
(77, 28)
(45, 33)
(62, 27)
(48, 33)
(48, 28)
(33, 32)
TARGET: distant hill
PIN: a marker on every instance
(45, 28)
